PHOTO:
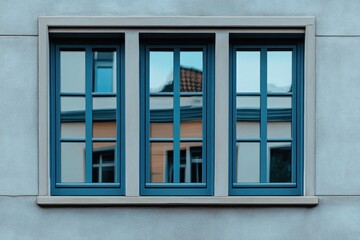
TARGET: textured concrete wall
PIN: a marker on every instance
(337, 135)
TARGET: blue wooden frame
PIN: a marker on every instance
(88, 188)
(264, 188)
(177, 189)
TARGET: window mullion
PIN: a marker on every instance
(176, 80)
(88, 116)
(221, 94)
(263, 120)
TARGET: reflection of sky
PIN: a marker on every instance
(161, 66)
(161, 69)
(279, 71)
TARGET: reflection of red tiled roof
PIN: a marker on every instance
(190, 80)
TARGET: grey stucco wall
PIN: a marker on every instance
(337, 134)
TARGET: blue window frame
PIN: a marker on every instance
(87, 108)
(177, 113)
(266, 117)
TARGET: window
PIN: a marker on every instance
(266, 117)
(86, 127)
(177, 108)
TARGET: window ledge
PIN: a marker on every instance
(177, 201)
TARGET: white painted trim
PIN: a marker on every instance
(221, 178)
(131, 27)
(43, 109)
(173, 30)
(177, 201)
(176, 21)
(309, 111)
(132, 113)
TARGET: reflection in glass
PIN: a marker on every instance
(247, 117)
(104, 164)
(279, 71)
(161, 162)
(191, 117)
(105, 72)
(279, 155)
(104, 117)
(72, 162)
(72, 117)
(191, 162)
(161, 71)
(247, 71)
(191, 69)
(161, 117)
(279, 117)
(72, 71)
(248, 162)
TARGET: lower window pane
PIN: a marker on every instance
(72, 162)
(161, 162)
(248, 162)
(279, 157)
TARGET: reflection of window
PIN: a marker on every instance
(104, 71)
(177, 110)
(190, 165)
(266, 109)
(86, 134)
(103, 168)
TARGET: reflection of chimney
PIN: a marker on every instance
(190, 80)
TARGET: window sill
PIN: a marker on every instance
(306, 201)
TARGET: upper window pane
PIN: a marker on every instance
(191, 71)
(105, 73)
(72, 71)
(247, 71)
(161, 71)
(279, 71)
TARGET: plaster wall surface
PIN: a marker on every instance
(333, 17)
(337, 133)
(335, 218)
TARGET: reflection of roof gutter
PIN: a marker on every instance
(186, 114)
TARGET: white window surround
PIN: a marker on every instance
(132, 27)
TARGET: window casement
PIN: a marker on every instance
(266, 117)
(86, 133)
(176, 111)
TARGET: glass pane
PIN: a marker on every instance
(161, 162)
(72, 71)
(161, 117)
(247, 117)
(191, 117)
(191, 69)
(279, 71)
(72, 117)
(104, 117)
(191, 162)
(279, 156)
(72, 162)
(161, 71)
(248, 162)
(105, 72)
(104, 164)
(279, 117)
(248, 71)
